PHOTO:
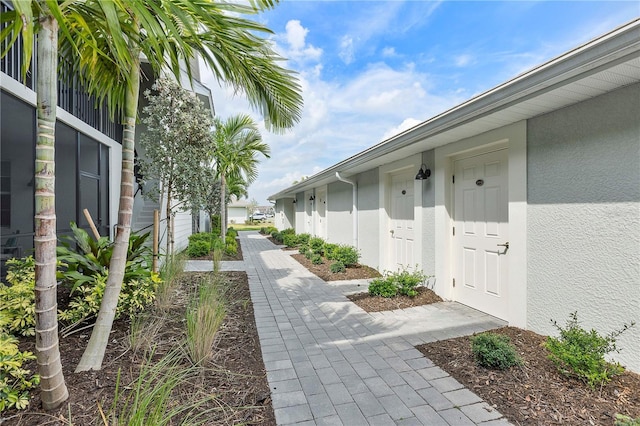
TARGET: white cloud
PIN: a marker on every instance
(405, 125)
(462, 60)
(296, 47)
(346, 49)
(389, 52)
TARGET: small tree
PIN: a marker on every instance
(253, 205)
(175, 142)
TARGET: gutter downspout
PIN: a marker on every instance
(355, 206)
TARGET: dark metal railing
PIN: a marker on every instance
(72, 97)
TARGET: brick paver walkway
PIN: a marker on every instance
(329, 362)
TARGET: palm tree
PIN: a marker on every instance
(170, 33)
(45, 20)
(237, 142)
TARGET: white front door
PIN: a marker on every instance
(481, 223)
(401, 232)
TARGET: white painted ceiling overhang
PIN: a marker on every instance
(600, 66)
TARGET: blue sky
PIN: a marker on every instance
(371, 69)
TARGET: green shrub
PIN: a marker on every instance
(199, 248)
(329, 250)
(303, 239)
(277, 236)
(308, 254)
(316, 259)
(15, 381)
(232, 233)
(383, 287)
(580, 353)
(289, 231)
(263, 230)
(495, 351)
(231, 246)
(271, 230)
(303, 248)
(17, 300)
(408, 281)
(346, 254)
(337, 267)
(622, 420)
(289, 240)
(316, 244)
(404, 282)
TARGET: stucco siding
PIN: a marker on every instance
(300, 214)
(369, 218)
(340, 213)
(583, 217)
(428, 255)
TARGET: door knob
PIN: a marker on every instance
(505, 245)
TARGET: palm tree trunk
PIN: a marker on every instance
(52, 385)
(94, 353)
(223, 205)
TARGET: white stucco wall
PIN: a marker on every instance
(285, 214)
(584, 218)
(340, 213)
(428, 255)
(300, 214)
(369, 218)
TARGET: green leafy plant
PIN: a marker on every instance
(337, 267)
(316, 259)
(308, 254)
(303, 248)
(622, 420)
(83, 258)
(231, 246)
(232, 232)
(316, 244)
(402, 282)
(277, 236)
(288, 231)
(492, 350)
(290, 240)
(303, 239)
(580, 353)
(382, 287)
(17, 300)
(198, 248)
(329, 250)
(346, 254)
(15, 381)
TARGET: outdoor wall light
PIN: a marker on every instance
(423, 173)
(294, 201)
(312, 198)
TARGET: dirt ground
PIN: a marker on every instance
(235, 376)
(535, 393)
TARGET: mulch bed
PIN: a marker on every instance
(235, 376)
(323, 271)
(378, 303)
(536, 393)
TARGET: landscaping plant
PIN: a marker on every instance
(401, 282)
(580, 353)
(15, 381)
(337, 267)
(17, 300)
(495, 351)
(204, 317)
